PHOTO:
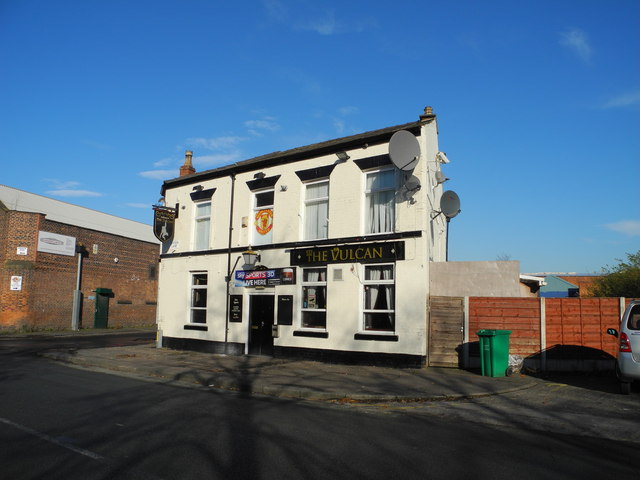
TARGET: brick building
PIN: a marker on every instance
(39, 265)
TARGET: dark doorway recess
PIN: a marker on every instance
(261, 311)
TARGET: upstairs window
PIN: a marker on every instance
(316, 210)
(380, 201)
(202, 225)
(262, 218)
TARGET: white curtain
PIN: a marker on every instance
(381, 202)
(317, 211)
(203, 225)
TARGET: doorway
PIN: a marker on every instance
(261, 311)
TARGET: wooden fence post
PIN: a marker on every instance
(465, 342)
(543, 334)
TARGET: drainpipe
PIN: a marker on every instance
(228, 279)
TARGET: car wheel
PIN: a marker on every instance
(625, 388)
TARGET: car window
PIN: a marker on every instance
(634, 318)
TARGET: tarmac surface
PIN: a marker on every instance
(292, 378)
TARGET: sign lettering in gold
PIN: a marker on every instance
(373, 252)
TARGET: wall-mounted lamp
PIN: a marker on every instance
(283, 188)
(259, 175)
(342, 156)
(250, 257)
(161, 201)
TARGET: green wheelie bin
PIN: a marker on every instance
(494, 352)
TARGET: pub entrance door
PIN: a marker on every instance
(261, 312)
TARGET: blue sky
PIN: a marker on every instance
(538, 104)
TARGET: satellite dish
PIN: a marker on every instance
(412, 184)
(404, 150)
(450, 204)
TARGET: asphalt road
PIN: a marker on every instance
(67, 423)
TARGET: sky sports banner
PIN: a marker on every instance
(265, 278)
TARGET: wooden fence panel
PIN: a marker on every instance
(520, 315)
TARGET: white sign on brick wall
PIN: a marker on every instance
(56, 243)
(16, 282)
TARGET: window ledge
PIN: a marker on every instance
(383, 337)
(311, 333)
(203, 328)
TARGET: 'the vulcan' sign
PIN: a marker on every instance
(363, 253)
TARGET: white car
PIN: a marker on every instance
(628, 361)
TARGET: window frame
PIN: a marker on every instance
(370, 193)
(197, 287)
(366, 283)
(307, 284)
(256, 238)
(307, 202)
(198, 220)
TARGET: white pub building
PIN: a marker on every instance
(321, 251)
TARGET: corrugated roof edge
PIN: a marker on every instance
(71, 214)
(299, 153)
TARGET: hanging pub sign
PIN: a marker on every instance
(360, 253)
(265, 278)
(163, 222)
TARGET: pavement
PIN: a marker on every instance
(292, 378)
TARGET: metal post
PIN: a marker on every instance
(77, 295)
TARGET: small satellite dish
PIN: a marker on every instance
(412, 184)
(450, 204)
(404, 150)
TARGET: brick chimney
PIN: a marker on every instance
(187, 168)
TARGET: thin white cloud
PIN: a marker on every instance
(576, 41)
(259, 126)
(69, 189)
(276, 10)
(138, 205)
(625, 100)
(216, 143)
(164, 162)
(313, 17)
(326, 25)
(73, 193)
(160, 174)
(350, 110)
(628, 227)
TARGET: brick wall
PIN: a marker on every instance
(19, 229)
(46, 298)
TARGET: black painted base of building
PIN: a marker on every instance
(203, 346)
(397, 360)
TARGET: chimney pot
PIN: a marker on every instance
(187, 168)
